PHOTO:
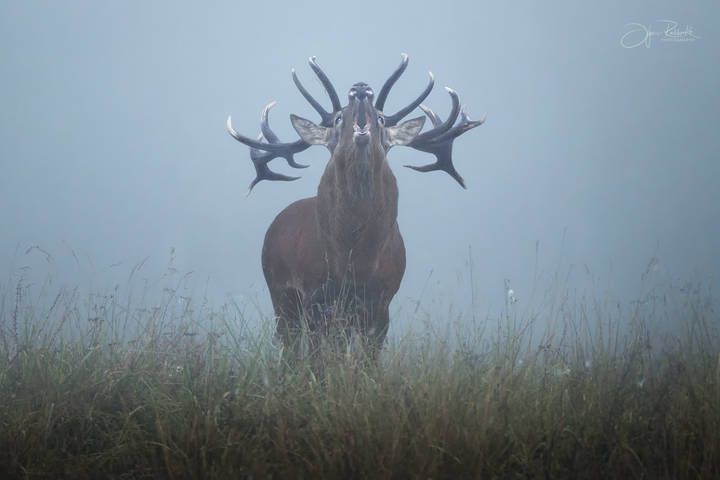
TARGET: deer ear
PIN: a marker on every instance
(405, 132)
(308, 131)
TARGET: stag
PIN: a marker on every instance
(334, 261)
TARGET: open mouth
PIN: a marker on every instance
(357, 130)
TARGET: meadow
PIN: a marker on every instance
(94, 386)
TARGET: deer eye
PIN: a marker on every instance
(381, 120)
(337, 120)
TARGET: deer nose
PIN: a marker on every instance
(361, 92)
(361, 117)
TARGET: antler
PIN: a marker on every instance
(262, 153)
(327, 117)
(393, 119)
(439, 140)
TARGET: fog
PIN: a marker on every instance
(598, 163)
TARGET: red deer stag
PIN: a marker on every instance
(336, 260)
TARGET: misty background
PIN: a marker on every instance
(598, 164)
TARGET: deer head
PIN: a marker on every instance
(361, 129)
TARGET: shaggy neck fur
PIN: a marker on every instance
(357, 207)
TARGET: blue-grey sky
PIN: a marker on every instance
(113, 145)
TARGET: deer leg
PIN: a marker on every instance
(327, 319)
(288, 334)
(376, 330)
(289, 313)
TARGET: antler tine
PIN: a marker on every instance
(444, 163)
(439, 140)
(395, 118)
(447, 124)
(463, 126)
(265, 124)
(324, 114)
(262, 171)
(326, 83)
(278, 148)
(380, 102)
(272, 138)
(262, 153)
(433, 117)
(326, 117)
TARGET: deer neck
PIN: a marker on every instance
(357, 207)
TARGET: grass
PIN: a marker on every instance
(95, 388)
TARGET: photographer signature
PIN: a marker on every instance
(642, 35)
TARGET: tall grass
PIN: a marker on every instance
(93, 387)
